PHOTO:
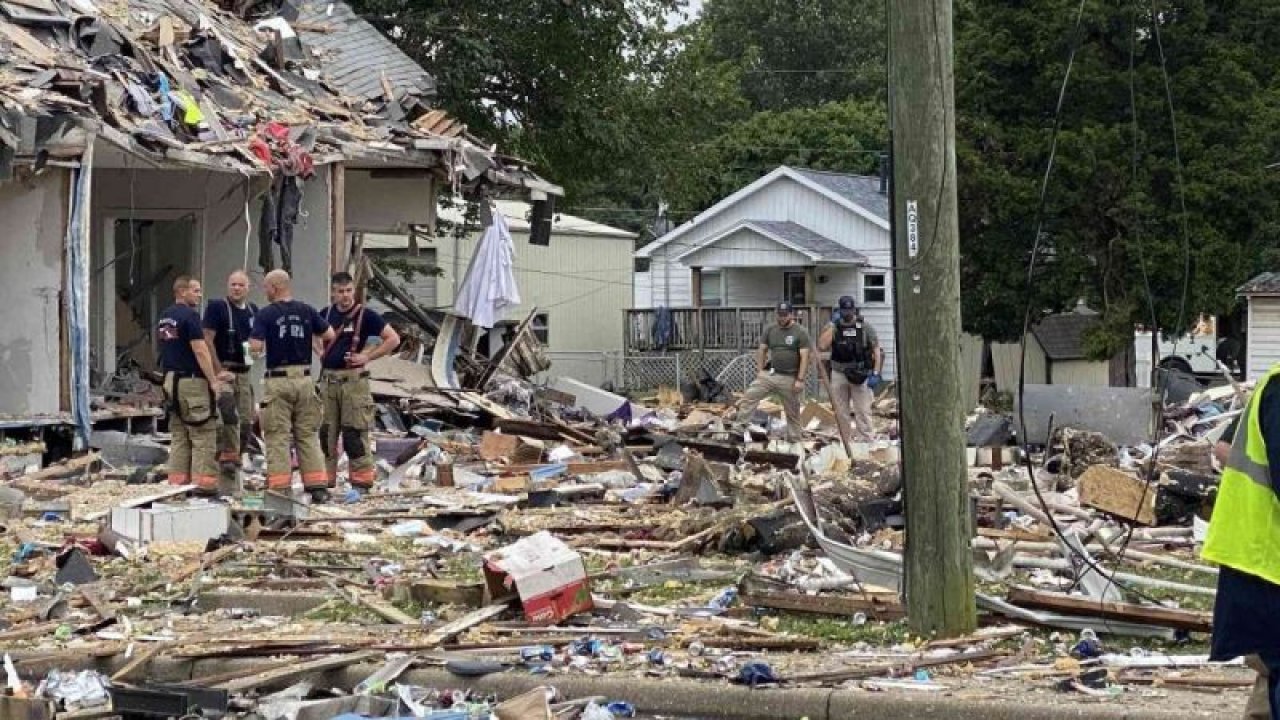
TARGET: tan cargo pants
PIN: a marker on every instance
(848, 398)
(233, 439)
(192, 429)
(779, 386)
(291, 413)
(348, 414)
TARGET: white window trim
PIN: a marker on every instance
(862, 289)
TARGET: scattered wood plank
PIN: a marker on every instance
(824, 604)
(194, 567)
(269, 677)
(763, 643)
(1128, 612)
(65, 468)
(449, 631)
(905, 667)
(138, 661)
(1118, 493)
(105, 610)
(30, 631)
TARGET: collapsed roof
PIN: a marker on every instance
(191, 82)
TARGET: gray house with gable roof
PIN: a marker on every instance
(805, 236)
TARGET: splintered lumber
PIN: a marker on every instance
(66, 468)
(1118, 493)
(138, 661)
(1139, 614)
(268, 677)
(449, 631)
(906, 667)
(206, 561)
(762, 643)
(822, 605)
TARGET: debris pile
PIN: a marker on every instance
(558, 530)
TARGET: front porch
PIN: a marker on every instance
(708, 328)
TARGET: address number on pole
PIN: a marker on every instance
(913, 228)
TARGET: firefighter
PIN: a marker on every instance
(227, 324)
(362, 336)
(190, 384)
(855, 364)
(283, 332)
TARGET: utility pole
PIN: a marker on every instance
(939, 564)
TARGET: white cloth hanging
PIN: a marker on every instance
(489, 287)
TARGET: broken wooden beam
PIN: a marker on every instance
(842, 606)
(295, 670)
(1128, 612)
(449, 631)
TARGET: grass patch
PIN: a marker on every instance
(843, 631)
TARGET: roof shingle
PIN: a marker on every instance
(826, 249)
(863, 190)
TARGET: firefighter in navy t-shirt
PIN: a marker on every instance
(284, 332)
(362, 336)
(190, 383)
(227, 323)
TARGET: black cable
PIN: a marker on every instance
(1026, 324)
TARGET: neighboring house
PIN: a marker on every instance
(1262, 328)
(580, 282)
(1056, 355)
(804, 236)
(110, 186)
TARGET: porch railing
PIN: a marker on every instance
(708, 328)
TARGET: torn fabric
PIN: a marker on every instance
(489, 287)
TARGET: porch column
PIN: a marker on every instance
(695, 290)
(338, 217)
(810, 285)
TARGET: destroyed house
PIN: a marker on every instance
(142, 140)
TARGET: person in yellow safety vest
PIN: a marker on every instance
(1244, 540)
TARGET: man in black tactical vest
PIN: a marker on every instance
(855, 364)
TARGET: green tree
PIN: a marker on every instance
(801, 53)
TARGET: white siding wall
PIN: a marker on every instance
(387, 204)
(671, 281)
(1082, 372)
(582, 282)
(744, 248)
(32, 238)
(754, 287)
(1264, 336)
(642, 293)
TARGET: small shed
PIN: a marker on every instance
(1056, 355)
(1262, 328)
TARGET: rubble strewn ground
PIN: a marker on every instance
(498, 520)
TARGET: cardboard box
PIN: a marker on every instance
(514, 449)
(171, 522)
(548, 575)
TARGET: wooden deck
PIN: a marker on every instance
(732, 328)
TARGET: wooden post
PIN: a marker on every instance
(938, 560)
(337, 217)
(695, 290)
(810, 285)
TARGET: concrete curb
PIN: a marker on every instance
(682, 697)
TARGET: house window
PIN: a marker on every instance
(874, 290)
(712, 291)
(793, 288)
(539, 327)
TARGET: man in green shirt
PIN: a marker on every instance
(783, 359)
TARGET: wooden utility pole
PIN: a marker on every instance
(939, 563)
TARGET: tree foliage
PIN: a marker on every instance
(626, 113)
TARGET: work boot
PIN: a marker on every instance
(319, 496)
